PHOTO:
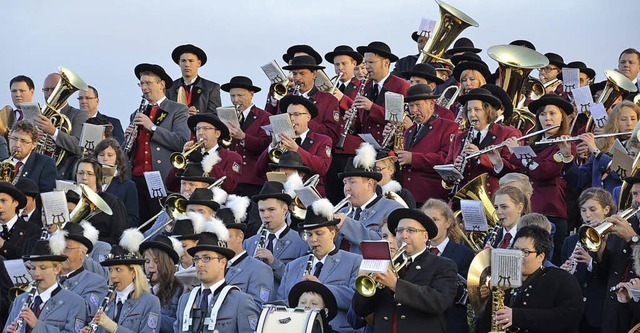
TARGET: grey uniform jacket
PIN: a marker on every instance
(98, 254)
(90, 286)
(138, 315)
(253, 277)
(206, 94)
(70, 141)
(63, 312)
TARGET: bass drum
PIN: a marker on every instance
(282, 319)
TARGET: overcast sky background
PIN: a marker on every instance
(102, 41)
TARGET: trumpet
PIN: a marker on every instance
(217, 183)
(349, 123)
(103, 306)
(492, 148)
(334, 84)
(27, 304)
(342, 203)
(446, 103)
(275, 153)
(591, 237)
(367, 286)
(576, 138)
(179, 160)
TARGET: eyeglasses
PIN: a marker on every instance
(549, 69)
(81, 98)
(380, 169)
(205, 259)
(526, 253)
(147, 83)
(22, 141)
(410, 230)
(88, 174)
(297, 114)
(204, 128)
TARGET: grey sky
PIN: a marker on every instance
(102, 41)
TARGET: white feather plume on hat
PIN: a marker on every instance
(238, 205)
(392, 186)
(177, 246)
(365, 157)
(90, 232)
(323, 208)
(197, 220)
(293, 183)
(209, 161)
(219, 195)
(131, 240)
(57, 242)
(216, 226)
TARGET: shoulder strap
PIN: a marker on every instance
(216, 307)
(186, 315)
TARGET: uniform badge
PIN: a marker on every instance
(199, 91)
(101, 258)
(161, 118)
(236, 167)
(153, 320)
(78, 325)
(253, 322)
(264, 294)
(94, 299)
(451, 137)
(336, 116)
(327, 149)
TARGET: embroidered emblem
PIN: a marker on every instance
(78, 325)
(253, 322)
(153, 320)
(236, 167)
(161, 118)
(94, 299)
(327, 149)
(264, 294)
(336, 116)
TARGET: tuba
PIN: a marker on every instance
(90, 205)
(451, 23)
(69, 83)
(616, 86)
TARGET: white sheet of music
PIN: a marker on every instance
(17, 271)
(91, 135)
(307, 195)
(570, 79)
(622, 163)
(66, 185)
(523, 152)
(281, 123)
(368, 138)
(618, 145)
(506, 268)
(323, 82)
(228, 115)
(393, 106)
(54, 205)
(155, 185)
(426, 25)
(273, 71)
(374, 266)
(30, 110)
(599, 115)
(582, 98)
(473, 215)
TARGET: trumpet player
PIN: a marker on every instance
(416, 297)
(249, 140)
(426, 74)
(29, 164)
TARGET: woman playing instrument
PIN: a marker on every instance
(596, 204)
(544, 169)
(48, 307)
(108, 152)
(510, 204)
(470, 73)
(161, 256)
(595, 173)
(89, 173)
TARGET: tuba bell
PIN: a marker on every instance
(90, 205)
(476, 189)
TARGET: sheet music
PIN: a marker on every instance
(506, 267)
(228, 115)
(267, 129)
(273, 71)
(393, 106)
(155, 185)
(474, 215)
(599, 115)
(617, 144)
(17, 271)
(367, 137)
(426, 26)
(323, 82)
(582, 98)
(448, 172)
(376, 256)
(281, 123)
(622, 163)
(523, 152)
(91, 135)
(66, 185)
(30, 110)
(307, 195)
(570, 79)
(54, 205)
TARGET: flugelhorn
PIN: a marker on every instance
(492, 148)
(591, 237)
(179, 160)
(367, 286)
(576, 138)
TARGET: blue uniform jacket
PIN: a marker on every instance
(137, 316)
(90, 286)
(590, 174)
(253, 277)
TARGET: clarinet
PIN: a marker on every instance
(352, 119)
(262, 242)
(131, 138)
(309, 267)
(27, 304)
(103, 307)
(574, 262)
(467, 139)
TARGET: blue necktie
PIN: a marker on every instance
(318, 268)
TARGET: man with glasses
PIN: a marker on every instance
(162, 130)
(415, 298)
(29, 164)
(549, 74)
(88, 101)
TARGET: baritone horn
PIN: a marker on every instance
(90, 205)
(451, 23)
(367, 286)
(179, 160)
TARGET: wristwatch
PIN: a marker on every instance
(635, 239)
(154, 128)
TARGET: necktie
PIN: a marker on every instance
(270, 242)
(241, 119)
(19, 165)
(415, 134)
(298, 141)
(204, 300)
(316, 271)
(20, 114)
(476, 140)
(116, 318)
(505, 241)
(356, 214)
(404, 269)
(342, 87)
(5, 232)
(434, 250)
(37, 302)
(374, 92)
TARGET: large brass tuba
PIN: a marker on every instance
(451, 23)
(69, 83)
(90, 205)
(476, 189)
(515, 64)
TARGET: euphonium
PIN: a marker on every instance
(103, 307)
(354, 113)
(130, 139)
(90, 205)
(179, 160)
(27, 304)
(367, 287)
(8, 169)
(616, 86)
(591, 237)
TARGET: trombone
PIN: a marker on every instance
(179, 160)
(367, 286)
(575, 138)
(298, 209)
(486, 150)
(447, 102)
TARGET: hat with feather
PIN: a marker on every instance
(169, 245)
(48, 250)
(363, 164)
(320, 215)
(213, 238)
(189, 228)
(234, 213)
(127, 252)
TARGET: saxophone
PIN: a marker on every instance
(103, 307)
(349, 123)
(27, 304)
(130, 139)
(497, 303)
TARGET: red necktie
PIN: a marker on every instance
(18, 167)
(434, 250)
(506, 241)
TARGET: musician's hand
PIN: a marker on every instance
(582, 150)
(193, 110)
(488, 246)
(566, 265)
(495, 157)
(387, 128)
(143, 120)
(589, 140)
(511, 142)
(405, 157)
(582, 256)
(504, 317)
(86, 329)
(338, 94)
(598, 130)
(485, 292)
(347, 114)
(236, 132)
(128, 130)
(12, 328)
(188, 145)
(29, 317)
(387, 279)
(342, 217)
(406, 122)
(362, 102)
(624, 293)
(289, 142)
(1, 242)
(310, 277)
(621, 227)
(103, 320)
(471, 148)
(44, 124)
(565, 147)
(265, 255)
(458, 161)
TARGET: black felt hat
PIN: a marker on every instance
(415, 214)
(76, 232)
(343, 50)
(184, 229)
(555, 59)
(203, 196)
(315, 287)
(42, 252)
(163, 243)
(582, 67)
(323, 218)
(28, 187)
(351, 170)
(303, 62)
(240, 82)
(290, 160)
(121, 256)
(523, 43)
(551, 99)
(208, 118)
(467, 56)
(425, 71)
(155, 69)
(229, 219)
(419, 92)
(272, 189)
(298, 100)
(11, 190)
(472, 65)
(209, 241)
(291, 51)
(386, 153)
(463, 44)
(505, 100)
(379, 48)
(480, 94)
(194, 172)
(189, 48)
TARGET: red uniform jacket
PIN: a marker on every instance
(428, 149)
(444, 113)
(477, 166)
(229, 166)
(548, 185)
(255, 142)
(353, 141)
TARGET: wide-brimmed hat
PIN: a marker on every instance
(77, 233)
(291, 51)
(28, 187)
(504, 98)
(480, 94)
(194, 172)
(42, 251)
(555, 59)
(582, 67)
(418, 92)
(467, 56)
(479, 66)
(315, 287)
(163, 243)
(186, 228)
(189, 48)
(414, 214)
(551, 99)
(211, 119)
(344, 50)
(291, 160)
(229, 219)
(209, 241)
(203, 196)
(633, 179)
(17, 195)
(303, 62)
(155, 69)
(463, 44)
(240, 82)
(320, 214)
(386, 153)
(298, 100)
(379, 48)
(272, 189)
(438, 66)
(121, 256)
(523, 43)
(363, 164)
(425, 71)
